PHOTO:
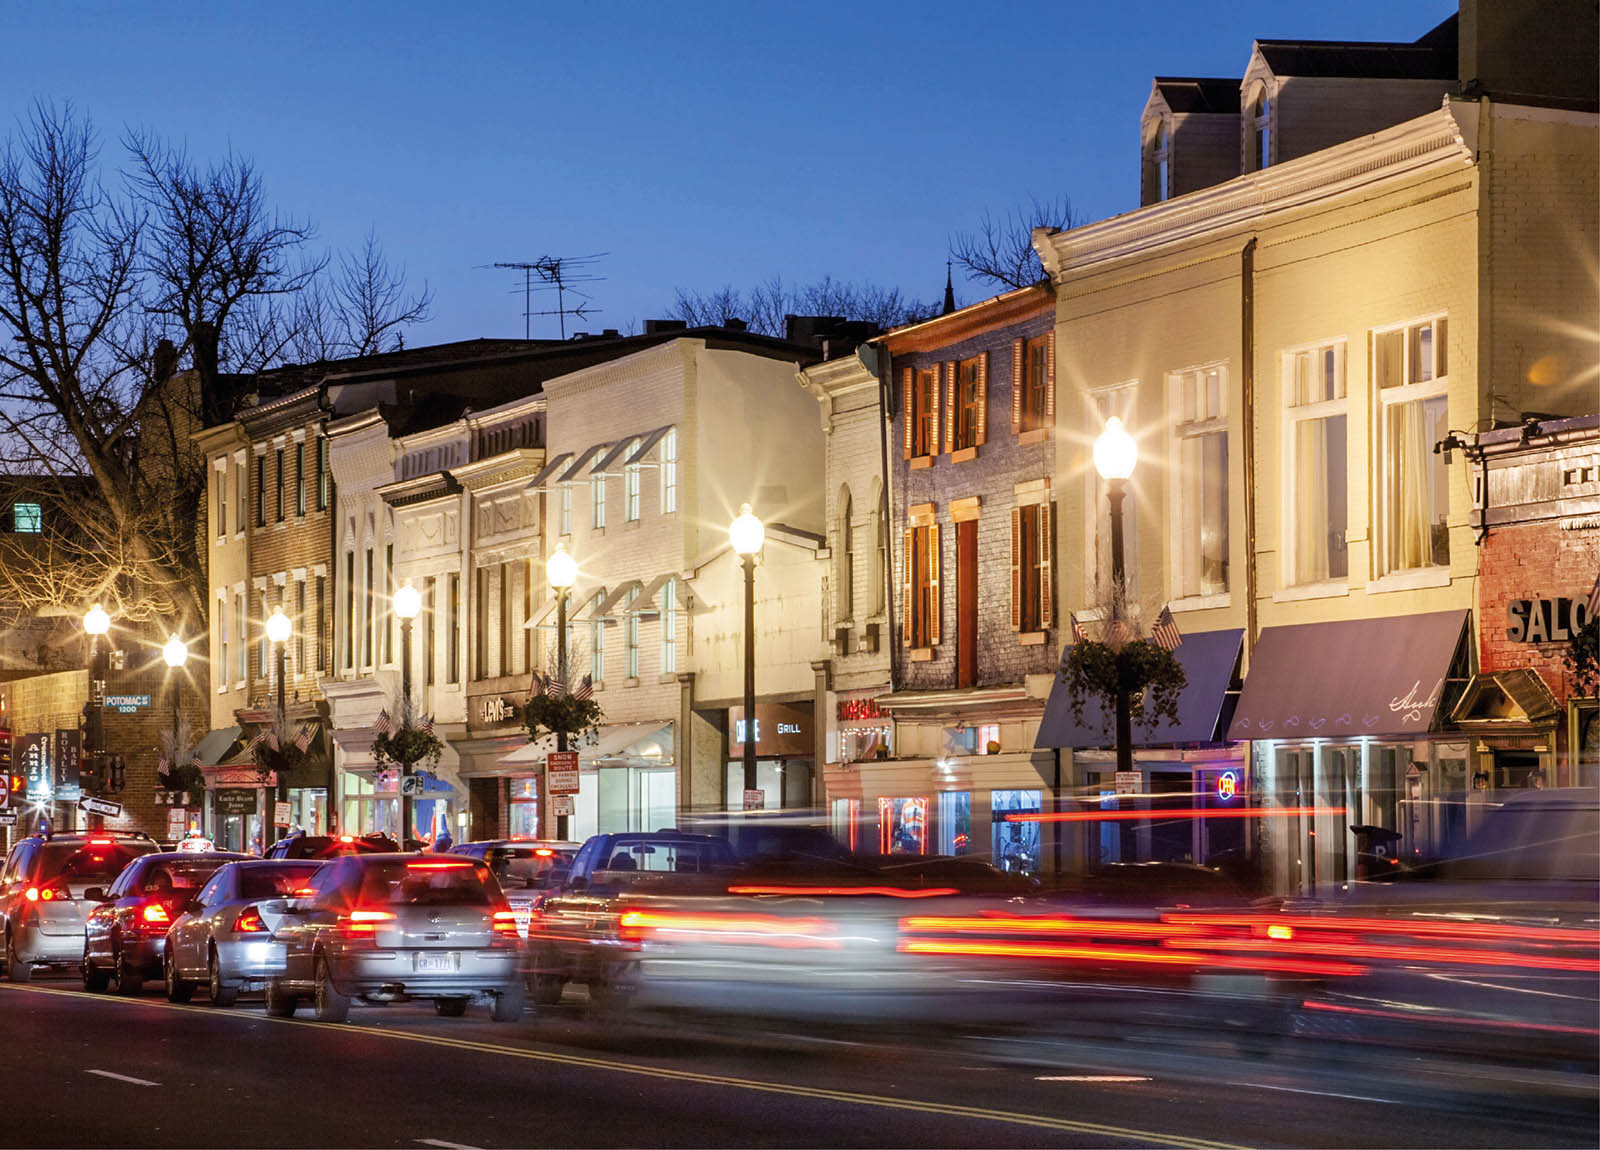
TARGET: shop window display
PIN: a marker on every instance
(1015, 845)
(955, 823)
(903, 825)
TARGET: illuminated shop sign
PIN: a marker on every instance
(1227, 786)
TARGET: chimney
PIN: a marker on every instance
(661, 326)
(734, 323)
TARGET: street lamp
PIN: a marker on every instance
(747, 535)
(1115, 456)
(176, 653)
(561, 569)
(96, 623)
(407, 603)
(278, 631)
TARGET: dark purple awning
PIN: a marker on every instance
(1210, 661)
(1351, 678)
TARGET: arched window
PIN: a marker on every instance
(846, 575)
(1260, 120)
(1161, 162)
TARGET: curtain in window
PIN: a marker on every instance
(1410, 529)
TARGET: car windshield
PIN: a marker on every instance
(180, 874)
(662, 857)
(432, 883)
(279, 881)
(525, 866)
(91, 865)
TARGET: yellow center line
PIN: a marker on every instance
(944, 1109)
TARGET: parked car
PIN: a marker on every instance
(223, 938)
(331, 846)
(42, 905)
(522, 864)
(396, 927)
(125, 937)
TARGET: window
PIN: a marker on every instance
(527, 615)
(222, 642)
(1410, 371)
(220, 502)
(846, 561)
(669, 471)
(299, 626)
(266, 643)
(631, 637)
(1259, 125)
(1033, 371)
(429, 636)
(322, 622)
(241, 493)
(300, 478)
(261, 489)
(388, 603)
(922, 412)
(1200, 482)
(27, 518)
(368, 612)
(566, 509)
(631, 476)
(966, 385)
(597, 652)
(1316, 482)
(279, 457)
(242, 641)
(598, 511)
(480, 612)
(920, 584)
(1032, 592)
(324, 478)
(503, 662)
(669, 628)
(453, 640)
(350, 610)
(880, 561)
(1160, 163)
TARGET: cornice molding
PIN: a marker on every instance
(1015, 306)
(518, 463)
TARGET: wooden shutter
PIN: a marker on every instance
(935, 608)
(1050, 380)
(951, 402)
(983, 398)
(908, 405)
(1047, 605)
(908, 585)
(1016, 568)
(1019, 381)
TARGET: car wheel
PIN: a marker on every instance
(509, 1003)
(280, 1004)
(449, 1007)
(129, 980)
(331, 1005)
(221, 993)
(547, 989)
(178, 989)
(94, 978)
(16, 969)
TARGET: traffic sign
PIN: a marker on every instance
(280, 814)
(561, 772)
(755, 800)
(562, 806)
(8, 817)
(1129, 782)
(101, 807)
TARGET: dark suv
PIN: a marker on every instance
(42, 905)
(331, 846)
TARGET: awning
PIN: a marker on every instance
(216, 746)
(645, 445)
(588, 453)
(614, 740)
(1210, 661)
(1495, 700)
(545, 616)
(1356, 677)
(541, 482)
(603, 467)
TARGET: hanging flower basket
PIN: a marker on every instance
(1150, 674)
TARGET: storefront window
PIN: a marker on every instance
(903, 825)
(1015, 844)
(369, 807)
(524, 820)
(859, 744)
(955, 822)
(845, 820)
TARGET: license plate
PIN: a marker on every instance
(438, 963)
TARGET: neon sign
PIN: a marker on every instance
(1227, 786)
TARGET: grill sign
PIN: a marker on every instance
(1545, 620)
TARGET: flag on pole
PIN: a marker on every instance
(1165, 632)
(384, 725)
(162, 767)
(302, 741)
(537, 685)
(1079, 635)
(196, 760)
(554, 687)
(585, 689)
(427, 724)
(272, 738)
(257, 739)
(1119, 633)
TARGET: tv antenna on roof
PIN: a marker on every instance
(561, 273)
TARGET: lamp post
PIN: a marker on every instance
(95, 624)
(747, 534)
(407, 603)
(278, 631)
(561, 569)
(1115, 456)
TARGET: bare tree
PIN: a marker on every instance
(767, 306)
(362, 312)
(1001, 251)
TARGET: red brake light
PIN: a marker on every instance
(505, 922)
(347, 838)
(102, 842)
(249, 922)
(154, 912)
(544, 852)
(371, 916)
(452, 864)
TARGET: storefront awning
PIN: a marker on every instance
(1210, 661)
(1498, 700)
(614, 740)
(1356, 677)
(215, 746)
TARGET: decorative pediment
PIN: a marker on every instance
(1500, 699)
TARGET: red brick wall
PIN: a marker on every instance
(1532, 561)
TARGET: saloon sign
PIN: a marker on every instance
(1545, 620)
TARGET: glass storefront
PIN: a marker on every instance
(955, 822)
(523, 820)
(782, 782)
(1015, 845)
(903, 825)
(845, 822)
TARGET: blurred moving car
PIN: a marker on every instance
(396, 927)
(42, 904)
(331, 846)
(125, 937)
(223, 938)
(522, 864)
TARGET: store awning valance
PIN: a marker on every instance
(616, 740)
(1210, 661)
(1351, 678)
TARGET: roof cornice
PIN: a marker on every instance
(518, 463)
(975, 319)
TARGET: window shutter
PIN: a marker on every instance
(935, 607)
(983, 398)
(1047, 605)
(950, 372)
(1050, 380)
(908, 405)
(1016, 568)
(1018, 383)
(907, 589)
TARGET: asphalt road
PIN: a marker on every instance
(98, 1070)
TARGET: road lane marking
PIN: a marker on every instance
(1091, 1078)
(125, 1078)
(444, 1145)
(644, 1070)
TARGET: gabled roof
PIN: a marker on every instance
(1189, 94)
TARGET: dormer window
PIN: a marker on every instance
(1260, 121)
(1161, 161)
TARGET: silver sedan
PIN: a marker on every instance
(226, 938)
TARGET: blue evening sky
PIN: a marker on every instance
(699, 144)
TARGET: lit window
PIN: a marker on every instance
(922, 412)
(631, 475)
(566, 509)
(1200, 490)
(1033, 364)
(1409, 369)
(965, 427)
(27, 518)
(669, 628)
(1316, 485)
(1032, 600)
(631, 628)
(921, 586)
(598, 519)
(669, 471)
(597, 652)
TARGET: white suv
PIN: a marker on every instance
(41, 894)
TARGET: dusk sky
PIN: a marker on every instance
(699, 144)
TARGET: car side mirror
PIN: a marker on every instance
(577, 882)
(95, 894)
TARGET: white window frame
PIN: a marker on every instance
(1261, 140)
(1184, 490)
(222, 632)
(668, 454)
(669, 627)
(1295, 414)
(241, 493)
(631, 485)
(566, 509)
(1384, 400)
(241, 623)
(597, 503)
(597, 652)
(630, 627)
(1161, 160)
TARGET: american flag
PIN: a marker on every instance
(1079, 635)
(1165, 632)
(196, 760)
(426, 724)
(162, 766)
(302, 741)
(585, 689)
(271, 737)
(1119, 633)
(383, 724)
(554, 687)
(257, 739)
(537, 686)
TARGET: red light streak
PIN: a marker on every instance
(815, 891)
(1485, 930)
(1019, 925)
(1411, 953)
(1178, 813)
(767, 930)
(1130, 957)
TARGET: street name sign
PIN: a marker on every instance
(101, 807)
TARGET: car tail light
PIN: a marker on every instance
(365, 922)
(440, 864)
(544, 852)
(47, 894)
(155, 914)
(102, 842)
(505, 928)
(249, 922)
(347, 838)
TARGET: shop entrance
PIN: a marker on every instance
(1518, 770)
